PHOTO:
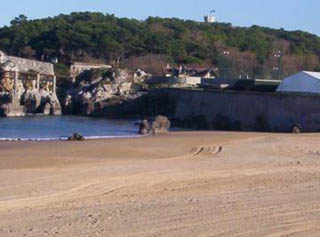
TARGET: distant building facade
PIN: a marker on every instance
(189, 76)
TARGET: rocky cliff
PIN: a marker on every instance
(97, 88)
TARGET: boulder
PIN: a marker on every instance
(140, 76)
(144, 127)
(161, 124)
(296, 129)
(76, 137)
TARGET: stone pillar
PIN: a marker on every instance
(15, 84)
(38, 81)
(54, 84)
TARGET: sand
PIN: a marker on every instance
(177, 184)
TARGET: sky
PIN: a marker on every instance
(287, 14)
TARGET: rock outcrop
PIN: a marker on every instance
(96, 86)
(161, 124)
(144, 127)
(141, 76)
(76, 137)
(30, 102)
(297, 128)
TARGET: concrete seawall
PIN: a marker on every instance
(220, 110)
(247, 110)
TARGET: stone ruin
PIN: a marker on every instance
(77, 68)
(27, 87)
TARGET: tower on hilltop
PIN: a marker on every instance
(211, 18)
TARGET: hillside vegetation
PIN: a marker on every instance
(154, 42)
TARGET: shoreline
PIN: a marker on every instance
(60, 128)
(66, 138)
(137, 135)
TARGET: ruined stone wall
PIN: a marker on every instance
(247, 110)
(24, 65)
(77, 68)
(28, 92)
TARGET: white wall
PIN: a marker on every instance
(300, 82)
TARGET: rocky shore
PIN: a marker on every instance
(95, 90)
(30, 102)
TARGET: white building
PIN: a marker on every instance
(301, 82)
(210, 19)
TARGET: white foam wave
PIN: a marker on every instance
(66, 138)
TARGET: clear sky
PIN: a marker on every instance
(288, 14)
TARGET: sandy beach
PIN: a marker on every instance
(177, 184)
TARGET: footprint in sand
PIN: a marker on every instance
(206, 150)
(297, 150)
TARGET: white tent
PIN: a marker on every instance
(301, 82)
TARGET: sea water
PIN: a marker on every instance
(61, 127)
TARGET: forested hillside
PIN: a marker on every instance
(156, 41)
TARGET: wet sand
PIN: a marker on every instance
(177, 184)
